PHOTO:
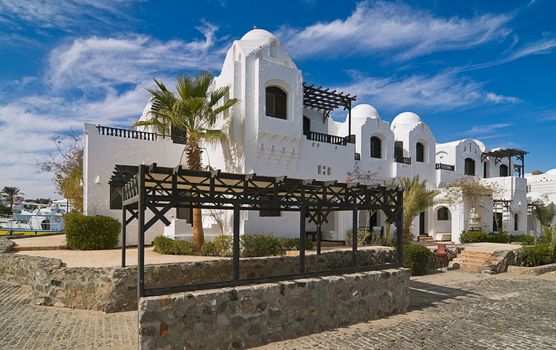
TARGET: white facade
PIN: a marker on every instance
(287, 145)
(541, 187)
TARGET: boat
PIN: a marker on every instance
(49, 219)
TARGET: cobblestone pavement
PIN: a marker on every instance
(455, 310)
(478, 312)
(26, 326)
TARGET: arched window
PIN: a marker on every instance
(276, 102)
(443, 214)
(420, 152)
(503, 170)
(376, 147)
(469, 167)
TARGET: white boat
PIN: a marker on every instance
(45, 219)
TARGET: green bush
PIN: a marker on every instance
(473, 236)
(539, 254)
(525, 239)
(417, 258)
(165, 245)
(295, 244)
(223, 245)
(260, 245)
(208, 249)
(481, 236)
(91, 232)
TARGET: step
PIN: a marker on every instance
(476, 253)
(473, 258)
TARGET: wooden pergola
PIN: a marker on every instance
(510, 153)
(160, 189)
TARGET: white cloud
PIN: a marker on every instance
(487, 128)
(106, 63)
(444, 91)
(379, 27)
(61, 14)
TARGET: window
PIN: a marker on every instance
(116, 197)
(306, 125)
(443, 214)
(503, 170)
(276, 102)
(485, 174)
(324, 170)
(398, 149)
(420, 152)
(497, 222)
(469, 167)
(516, 222)
(376, 147)
(185, 214)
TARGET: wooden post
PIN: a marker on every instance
(236, 249)
(141, 233)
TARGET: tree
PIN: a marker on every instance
(67, 168)
(193, 110)
(536, 172)
(470, 190)
(416, 199)
(11, 193)
(544, 212)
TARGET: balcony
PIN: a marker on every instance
(403, 160)
(333, 139)
(440, 166)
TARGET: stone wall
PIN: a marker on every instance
(114, 289)
(5, 245)
(248, 316)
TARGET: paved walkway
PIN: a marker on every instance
(26, 326)
(455, 310)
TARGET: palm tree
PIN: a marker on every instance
(417, 198)
(11, 193)
(193, 110)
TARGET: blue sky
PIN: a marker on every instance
(483, 69)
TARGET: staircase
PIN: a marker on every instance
(425, 239)
(485, 262)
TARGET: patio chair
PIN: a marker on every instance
(441, 256)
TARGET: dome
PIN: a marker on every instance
(258, 34)
(363, 112)
(551, 172)
(406, 118)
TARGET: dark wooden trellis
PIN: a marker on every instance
(160, 189)
(509, 153)
(327, 100)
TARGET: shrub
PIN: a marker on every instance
(481, 236)
(223, 245)
(208, 249)
(525, 239)
(294, 244)
(260, 245)
(539, 254)
(417, 258)
(365, 237)
(165, 245)
(473, 236)
(91, 232)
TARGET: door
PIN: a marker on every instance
(422, 226)
(306, 125)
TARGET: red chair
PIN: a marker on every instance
(441, 256)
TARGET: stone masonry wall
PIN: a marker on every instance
(114, 289)
(248, 316)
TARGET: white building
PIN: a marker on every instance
(541, 187)
(276, 130)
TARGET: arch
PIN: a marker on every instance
(469, 167)
(443, 214)
(376, 147)
(276, 102)
(504, 170)
(420, 152)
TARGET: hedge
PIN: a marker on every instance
(494, 237)
(417, 258)
(539, 254)
(260, 245)
(221, 246)
(165, 245)
(91, 232)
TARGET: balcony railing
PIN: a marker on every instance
(440, 166)
(403, 160)
(127, 133)
(333, 139)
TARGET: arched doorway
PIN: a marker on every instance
(443, 223)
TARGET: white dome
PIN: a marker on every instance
(258, 34)
(406, 118)
(363, 112)
(551, 172)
